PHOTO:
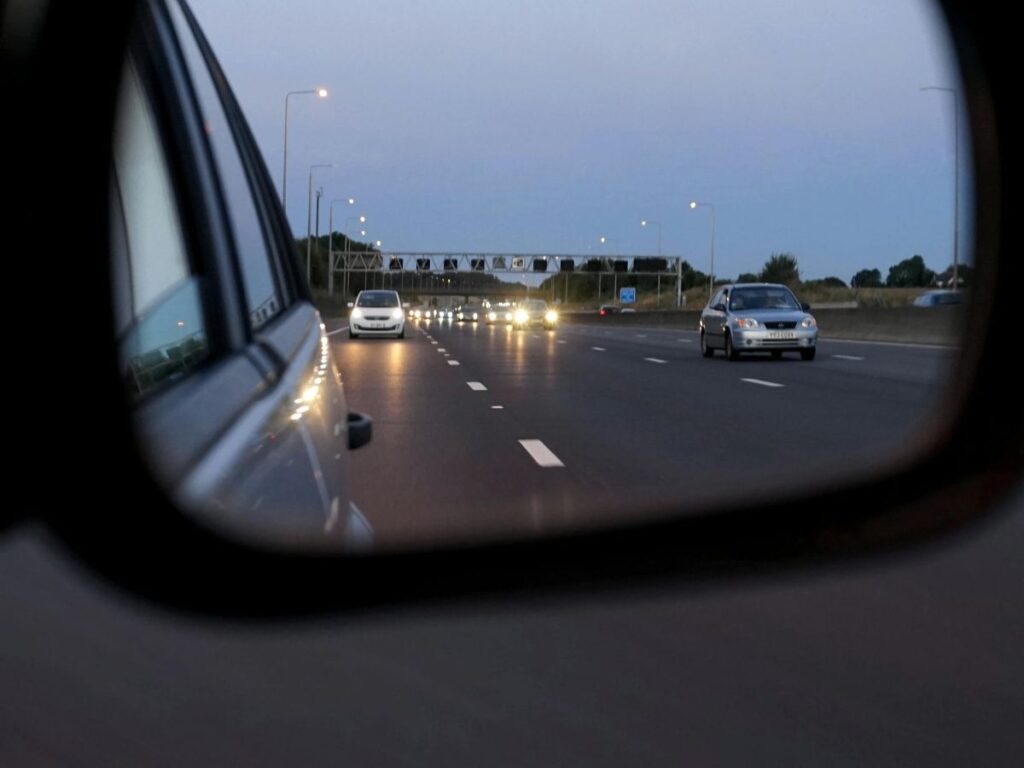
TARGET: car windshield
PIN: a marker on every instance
(761, 298)
(534, 306)
(377, 299)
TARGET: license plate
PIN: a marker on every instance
(376, 324)
(781, 335)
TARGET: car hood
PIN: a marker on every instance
(771, 315)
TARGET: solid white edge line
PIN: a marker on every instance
(541, 454)
(761, 383)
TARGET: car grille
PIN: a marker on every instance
(777, 326)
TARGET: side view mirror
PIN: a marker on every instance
(406, 305)
(805, 307)
(350, 305)
(360, 430)
(719, 307)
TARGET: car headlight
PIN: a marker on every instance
(746, 322)
(551, 316)
(356, 314)
(508, 316)
(521, 316)
(491, 316)
(475, 316)
(808, 322)
(397, 314)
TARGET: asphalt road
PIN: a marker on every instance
(486, 431)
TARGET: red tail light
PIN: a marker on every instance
(602, 312)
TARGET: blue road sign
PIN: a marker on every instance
(627, 295)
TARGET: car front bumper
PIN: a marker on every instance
(392, 328)
(764, 339)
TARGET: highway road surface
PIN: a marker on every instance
(486, 431)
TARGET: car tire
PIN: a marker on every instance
(402, 334)
(807, 354)
(705, 350)
(730, 351)
(352, 335)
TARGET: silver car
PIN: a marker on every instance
(757, 317)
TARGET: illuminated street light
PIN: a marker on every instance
(321, 93)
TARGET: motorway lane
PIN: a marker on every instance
(644, 427)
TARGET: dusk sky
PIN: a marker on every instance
(538, 125)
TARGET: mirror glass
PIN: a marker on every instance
(560, 253)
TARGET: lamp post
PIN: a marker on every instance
(956, 180)
(309, 222)
(711, 276)
(321, 93)
(600, 273)
(362, 220)
(330, 240)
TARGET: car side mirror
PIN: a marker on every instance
(719, 307)
(350, 305)
(360, 430)
(805, 307)
(406, 305)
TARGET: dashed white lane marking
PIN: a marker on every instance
(476, 386)
(536, 335)
(453, 362)
(441, 350)
(541, 453)
(763, 383)
(433, 342)
(847, 357)
(598, 349)
(641, 335)
(686, 341)
(655, 360)
(561, 341)
(339, 330)
(497, 407)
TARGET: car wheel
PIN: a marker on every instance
(704, 348)
(402, 334)
(807, 354)
(730, 350)
(352, 335)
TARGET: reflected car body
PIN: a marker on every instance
(236, 400)
(757, 317)
(533, 313)
(377, 313)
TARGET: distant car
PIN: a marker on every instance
(499, 315)
(469, 313)
(941, 298)
(607, 309)
(757, 317)
(534, 312)
(377, 313)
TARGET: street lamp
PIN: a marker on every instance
(711, 276)
(362, 220)
(956, 180)
(645, 222)
(330, 240)
(309, 221)
(321, 93)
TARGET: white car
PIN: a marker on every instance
(376, 313)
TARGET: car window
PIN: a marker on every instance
(261, 286)
(377, 299)
(159, 312)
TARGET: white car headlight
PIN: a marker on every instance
(551, 316)
(357, 314)
(475, 317)
(746, 322)
(521, 316)
(491, 316)
(808, 322)
(397, 314)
